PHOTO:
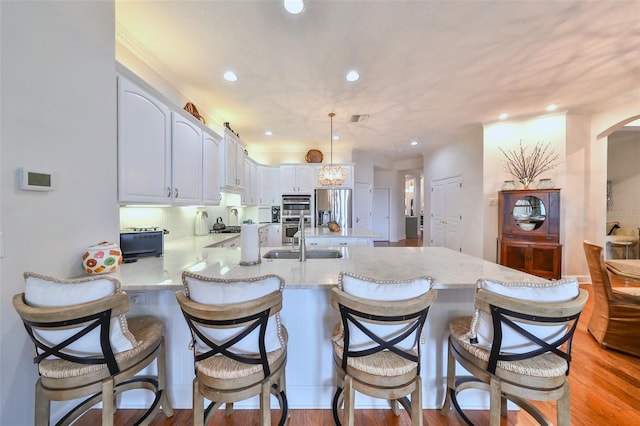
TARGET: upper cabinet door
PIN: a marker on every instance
(210, 168)
(232, 162)
(186, 161)
(298, 179)
(144, 146)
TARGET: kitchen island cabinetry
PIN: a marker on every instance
(307, 312)
(144, 146)
(296, 178)
(321, 236)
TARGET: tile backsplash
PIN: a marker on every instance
(180, 221)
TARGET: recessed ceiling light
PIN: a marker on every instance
(353, 75)
(268, 133)
(336, 137)
(230, 76)
(503, 116)
(293, 6)
(552, 107)
(413, 143)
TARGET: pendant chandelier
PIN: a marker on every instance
(331, 175)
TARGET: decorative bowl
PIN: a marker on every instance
(102, 258)
(314, 156)
(527, 226)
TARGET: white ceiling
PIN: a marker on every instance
(427, 67)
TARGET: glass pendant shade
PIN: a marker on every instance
(332, 174)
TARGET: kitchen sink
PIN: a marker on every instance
(295, 254)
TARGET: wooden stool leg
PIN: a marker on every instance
(108, 402)
(451, 380)
(42, 406)
(349, 401)
(265, 406)
(564, 407)
(395, 407)
(198, 404)
(495, 402)
(416, 403)
(162, 381)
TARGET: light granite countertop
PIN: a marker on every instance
(451, 269)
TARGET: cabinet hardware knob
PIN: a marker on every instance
(168, 192)
(176, 194)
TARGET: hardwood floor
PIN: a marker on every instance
(410, 242)
(605, 390)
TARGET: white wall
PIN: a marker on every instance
(545, 129)
(462, 156)
(603, 123)
(58, 112)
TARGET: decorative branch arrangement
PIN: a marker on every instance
(526, 167)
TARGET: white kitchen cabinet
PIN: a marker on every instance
(275, 235)
(186, 161)
(211, 168)
(232, 242)
(263, 234)
(144, 146)
(265, 186)
(232, 162)
(296, 178)
(250, 194)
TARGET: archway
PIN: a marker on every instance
(623, 190)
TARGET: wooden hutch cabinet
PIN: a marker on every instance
(529, 231)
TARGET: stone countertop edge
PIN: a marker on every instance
(450, 269)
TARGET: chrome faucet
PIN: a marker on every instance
(303, 245)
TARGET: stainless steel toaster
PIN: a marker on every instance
(141, 242)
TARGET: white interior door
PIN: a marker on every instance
(446, 213)
(362, 206)
(380, 213)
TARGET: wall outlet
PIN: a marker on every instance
(493, 201)
(137, 298)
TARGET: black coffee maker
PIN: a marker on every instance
(275, 214)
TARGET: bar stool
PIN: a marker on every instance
(239, 344)
(87, 348)
(517, 346)
(376, 347)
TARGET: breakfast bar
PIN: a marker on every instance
(152, 282)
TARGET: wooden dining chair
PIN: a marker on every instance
(517, 346)
(85, 347)
(376, 345)
(615, 319)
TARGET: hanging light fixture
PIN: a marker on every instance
(331, 175)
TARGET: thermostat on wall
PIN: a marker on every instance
(34, 180)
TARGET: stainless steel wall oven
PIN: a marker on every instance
(292, 207)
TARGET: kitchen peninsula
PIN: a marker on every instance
(307, 314)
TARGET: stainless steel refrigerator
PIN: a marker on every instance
(334, 204)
